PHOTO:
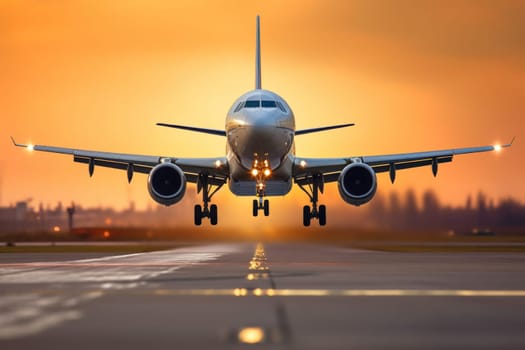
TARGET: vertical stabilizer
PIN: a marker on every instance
(257, 54)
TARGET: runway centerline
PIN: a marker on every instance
(285, 295)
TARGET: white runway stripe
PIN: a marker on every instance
(28, 314)
(118, 268)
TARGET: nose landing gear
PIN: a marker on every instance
(261, 204)
(261, 171)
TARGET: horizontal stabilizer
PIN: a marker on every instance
(191, 128)
(309, 131)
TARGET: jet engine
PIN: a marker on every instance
(357, 183)
(166, 184)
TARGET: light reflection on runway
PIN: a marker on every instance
(259, 282)
(258, 292)
(275, 295)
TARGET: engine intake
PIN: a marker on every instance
(357, 183)
(166, 184)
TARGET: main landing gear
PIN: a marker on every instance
(205, 184)
(261, 205)
(313, 185)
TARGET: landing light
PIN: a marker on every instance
(255, 172)
(251, 335)
(30, 147)
(218, 163)
(267, 172)
(302, 163)
(497, 147)
(240, 292)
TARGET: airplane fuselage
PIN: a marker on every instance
(260, 128)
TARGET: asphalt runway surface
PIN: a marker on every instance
(278, 296)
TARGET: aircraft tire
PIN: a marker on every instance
(198, 215)
(306, 216)
(213, 214)
(322, 215)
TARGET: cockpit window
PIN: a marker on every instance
(268, 104)
(281, 107)
(252, 104)
(259, 103)
(239, 107)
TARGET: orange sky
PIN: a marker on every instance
(412, 75)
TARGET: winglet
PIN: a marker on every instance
(17, 144)
(258, 54)
(510, 143)
(498, 147)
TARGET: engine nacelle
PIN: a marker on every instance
(166, 184)
(357, 183)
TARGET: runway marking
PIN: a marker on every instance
(258, 292)
(118, 268)
(28, 314)
(258, 262)
(74, 264)
(259, 274)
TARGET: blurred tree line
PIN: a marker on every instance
(406, 212)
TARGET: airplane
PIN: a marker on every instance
(260, 160)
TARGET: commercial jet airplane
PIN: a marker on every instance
(260, 160)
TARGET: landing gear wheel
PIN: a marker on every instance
(213, 214)
(198, 215)
(255, 207)
(312, 185)
(322, 215)
(306, 215)
(266, 207)
(206, 186)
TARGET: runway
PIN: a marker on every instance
(279, 296)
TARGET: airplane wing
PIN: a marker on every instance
(330, 168)
(223, 133)
(192, 128)
(331, 127)
(216, 168)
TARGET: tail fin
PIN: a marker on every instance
(257, 54)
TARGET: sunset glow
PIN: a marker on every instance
(413, 76)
